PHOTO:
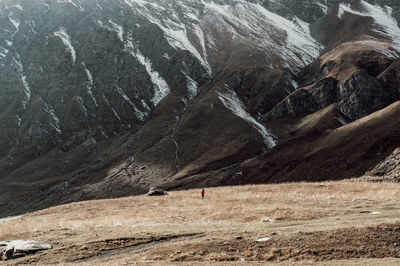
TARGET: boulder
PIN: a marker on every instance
(154, 191)
(19, 248)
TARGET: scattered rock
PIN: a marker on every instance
(20, 248)
(268, 220)
(263, 239)
(154, 191)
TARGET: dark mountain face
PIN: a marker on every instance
(107, 98)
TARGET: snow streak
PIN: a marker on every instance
(199, 25)
(118, 29)
(62, 34)
(382, 16)
(161, 88)
(56, 121)
(139, 114)
(21, 73)
(89, 86)
(231, 101)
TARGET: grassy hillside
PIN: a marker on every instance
(354, 222)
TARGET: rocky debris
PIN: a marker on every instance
(20, 248)
(389, 166)
(154, 191)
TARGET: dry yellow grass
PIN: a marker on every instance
(182, 227)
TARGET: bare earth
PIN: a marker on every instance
(347, 223)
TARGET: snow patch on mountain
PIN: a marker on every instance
(111, 108)
(175, 32)
(81, 104)
(178, 38)
(386, 24)
(200, 35)
(204, 26)
(161, 88)
(323, 7)
(139, 114)
(263, 28)
(192, 86)
(21, 73)
(231, 101)
(15, 22)
(118, 29)
(56, 121)
(89, 86)
(72, 2)
(66, 39)
(3, 51)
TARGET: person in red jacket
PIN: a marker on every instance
(202, 193)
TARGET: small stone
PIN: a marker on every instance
(263, 239)
(238, 237)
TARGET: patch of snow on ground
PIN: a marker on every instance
(161, 88)
(66, 39)
(231, 101)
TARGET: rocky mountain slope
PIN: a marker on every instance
(108, 98)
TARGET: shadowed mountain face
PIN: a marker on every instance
(107, 98)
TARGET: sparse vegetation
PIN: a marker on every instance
(307, 222)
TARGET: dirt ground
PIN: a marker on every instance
(345, 223)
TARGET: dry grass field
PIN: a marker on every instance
(346, 223)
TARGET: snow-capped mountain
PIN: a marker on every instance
(108, 97)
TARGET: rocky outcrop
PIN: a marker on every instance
(20, 248)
